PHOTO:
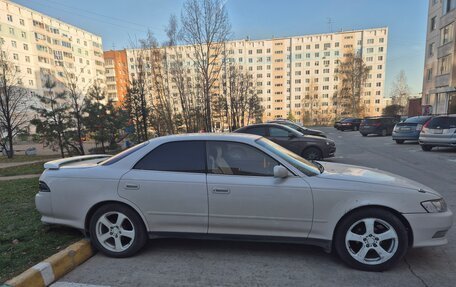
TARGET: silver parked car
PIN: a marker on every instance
(439, 131)
(238, 186)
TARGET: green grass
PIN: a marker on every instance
(24, 158)
(34, 168)
(19, 220)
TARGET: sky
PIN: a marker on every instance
(120, 22)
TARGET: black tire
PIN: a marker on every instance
(399, 141)
(135, 224)
(364, 135)
(384, 133)
(400, 243)
(426, 147)
(312, 153)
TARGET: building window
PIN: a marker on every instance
(21, 21)
(431, 49)
(370, 41)
(14, 44)
(429, 74)
(446, 34)
(444, 65)
(370, 50)
(10, 18)
(433, 24)
(448, 5)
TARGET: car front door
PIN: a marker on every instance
(246, 199)
(169, 187)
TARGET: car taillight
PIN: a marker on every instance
(423, 129)
(419, 127)
(377, 124)
(44, 187)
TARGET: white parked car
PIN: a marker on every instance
(237, 186)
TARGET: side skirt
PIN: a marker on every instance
(325, 244)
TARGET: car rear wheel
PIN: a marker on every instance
(364, 135)
(312, 153)
(117, 230)
(371, 239)
(399, 141)
(426, 147)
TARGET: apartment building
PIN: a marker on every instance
(116, 72)
(39, 45)
(290, 71)
(439, 83)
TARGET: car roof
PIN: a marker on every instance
(444, 116)
(210, 136)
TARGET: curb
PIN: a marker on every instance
(54, 267)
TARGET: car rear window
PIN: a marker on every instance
(124, 154)
(443, 123)
(417, 120)
(371, 121)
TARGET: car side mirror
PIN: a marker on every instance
(280, 171)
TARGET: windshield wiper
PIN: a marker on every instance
(320, 167)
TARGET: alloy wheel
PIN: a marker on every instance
(371, 241)
(115, 231)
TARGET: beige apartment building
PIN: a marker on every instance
(439, 83)
(289, 71)
(39, 45)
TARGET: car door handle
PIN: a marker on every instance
(132, 186)
(221, 190)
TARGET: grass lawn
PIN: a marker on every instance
(24, 240)
(24, 158)
(34, 168)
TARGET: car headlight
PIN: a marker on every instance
(437, 205)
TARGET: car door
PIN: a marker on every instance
(169, 187)
(282, 137)
(246, 199)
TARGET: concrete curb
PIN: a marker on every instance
(54, 267)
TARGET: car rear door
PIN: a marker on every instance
(441, 129)
(169, 187)
(245, 197)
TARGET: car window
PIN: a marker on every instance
(179, 156)
(261, 131)
(232, 158)
(442, 123)
(125, 153)
(278, 132)
(417, 120)
(371, 121)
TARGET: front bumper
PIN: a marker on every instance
(429, 229)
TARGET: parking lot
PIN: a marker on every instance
(167, 262)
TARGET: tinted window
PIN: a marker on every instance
(443, 123)
(371, 121)
(417, 120)
(278, 132)
(124, 154)
(232, 158)
(261, 131)
(181, 156)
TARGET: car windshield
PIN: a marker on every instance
(295, 160)
(417, 120)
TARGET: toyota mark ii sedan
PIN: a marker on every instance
(240, 187)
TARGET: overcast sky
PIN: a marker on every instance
(118, 21)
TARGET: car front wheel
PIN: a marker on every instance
(312, 153)
(117, 230)
(371, 239)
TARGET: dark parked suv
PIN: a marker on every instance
(349, 124)
(309, 147)
(377, 125)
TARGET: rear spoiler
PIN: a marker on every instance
(56, 164)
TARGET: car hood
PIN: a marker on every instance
(355, 173)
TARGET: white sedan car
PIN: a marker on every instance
(237, 186)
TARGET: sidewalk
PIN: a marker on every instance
(4, 178)
(13, 164)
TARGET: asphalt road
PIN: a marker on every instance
(222, 263)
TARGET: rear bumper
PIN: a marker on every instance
(370, 130)
(406, 136)
(329, 152)
(430, 229)
(448, 142)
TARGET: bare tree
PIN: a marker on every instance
(206, 27)
(311, 103)
(13, 103)
(353, 74)
(400, 91)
